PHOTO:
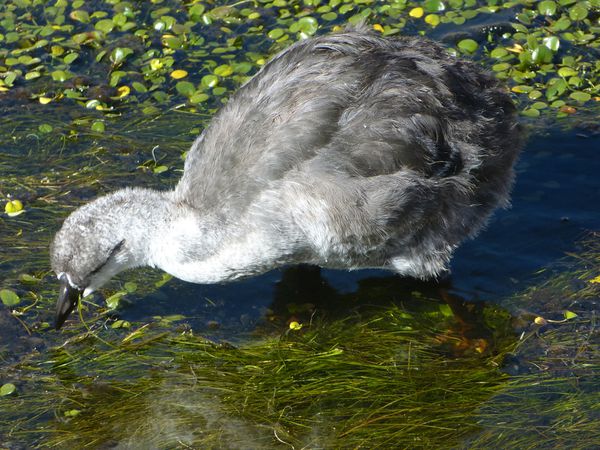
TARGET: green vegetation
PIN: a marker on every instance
(97, 95)
(409, 374)
(109, 54)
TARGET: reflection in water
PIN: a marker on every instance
(395, 360)
(368, 366)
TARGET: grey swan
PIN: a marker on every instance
(345, 151)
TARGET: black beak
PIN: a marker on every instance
(68, 296)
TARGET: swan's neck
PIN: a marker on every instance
(206, 248)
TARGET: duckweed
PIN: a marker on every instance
(69, 50)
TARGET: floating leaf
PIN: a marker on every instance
(98, 126)
(185, 88)
(567, 109)
(434, 5)
(196, 12)
(9, 298)
(112, 302)
(105, 25)
(531, 112)
(139, 87)
(45, 128)
(566, 72)
(498, 52)
(468, 45)
(547, 8)
(80, 16)
(501, 67)
(92, 104)
(60, 75)
(26, 278)
(516, 48)
(580, 96)
(13, 208)
(242, 68)
(521, 89)
(156, 64)
(578, 11)
(70, 58)
(446, 310)
(432, 19)
(561, 24)
(199, 97)
(209, 80)
(417, 13)
(178, 74)
(295, 326)
(118, 55)
(276, 33)
(7, 389)
(121, 324)
(223, 70)
(306, 26)
(535, 94)
(552, 42)
(569, 315)
(172, 42)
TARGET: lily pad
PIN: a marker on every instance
(185, 88)
(468, 45)
(9, 298)
(580, 96)
(7, 389)
(578, 11)
(547, 7)
(307, 26)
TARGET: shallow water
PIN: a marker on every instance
(554, 207)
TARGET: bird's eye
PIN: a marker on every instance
(112, 253)
(115, 250)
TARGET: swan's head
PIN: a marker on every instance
(96, 242)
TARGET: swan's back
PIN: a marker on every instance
(383, 152)
(356, 103)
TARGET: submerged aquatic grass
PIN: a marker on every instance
(377, 379)
(406, 374)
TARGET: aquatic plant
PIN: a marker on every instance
(110, 54)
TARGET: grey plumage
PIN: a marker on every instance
(345, 151)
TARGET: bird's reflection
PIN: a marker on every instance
(267, 305)
(303, 293)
